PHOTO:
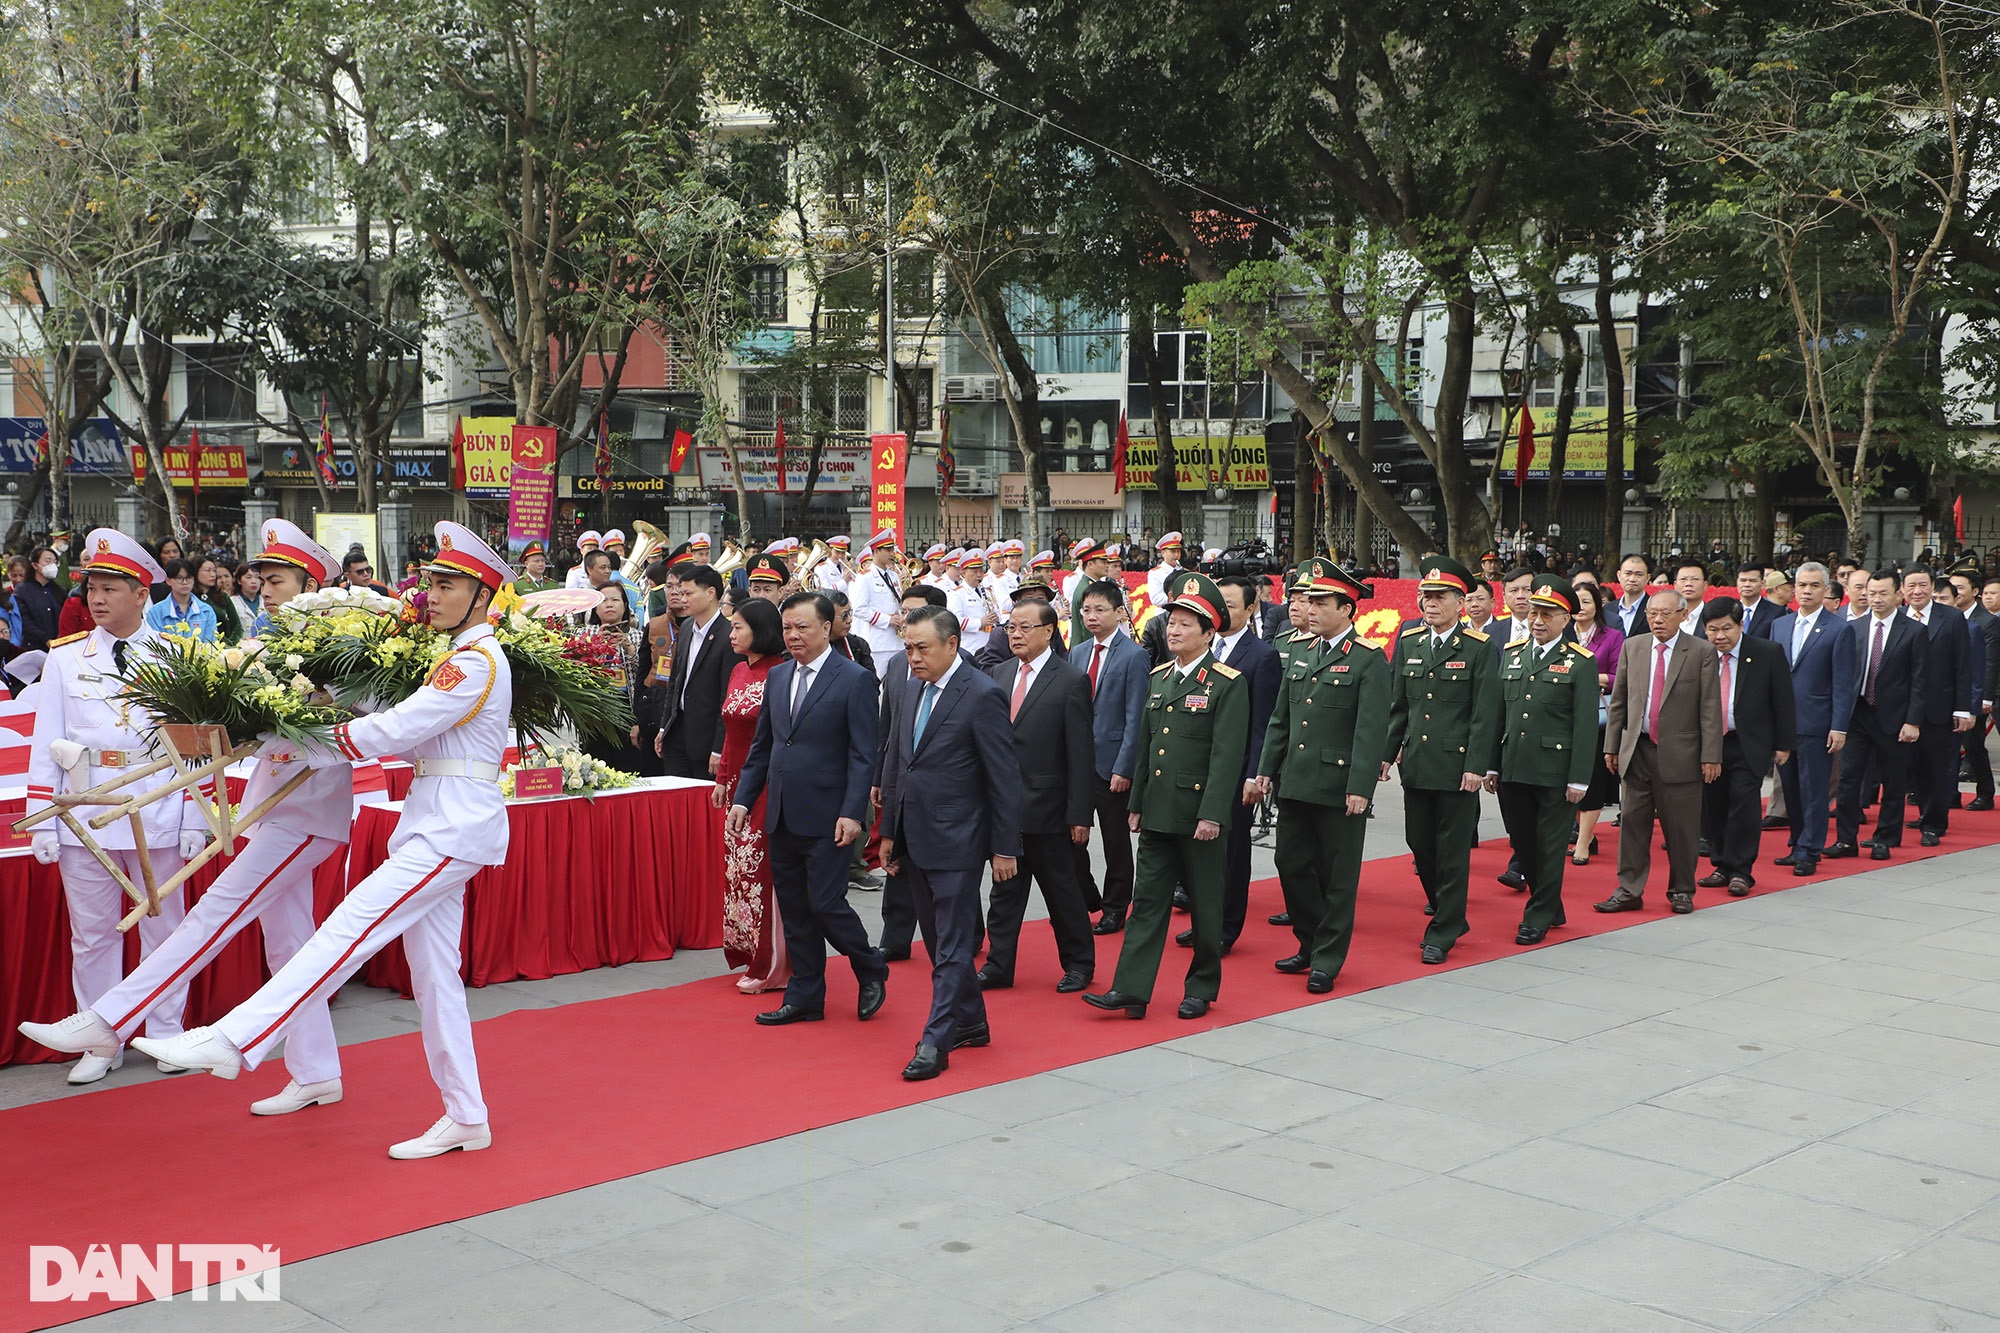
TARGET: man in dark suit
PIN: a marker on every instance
(1049, 702)
(899, 907)
(1950, 691)
(1628, 613)
(1116, 668)
(1759, 726)
(1815, 642)
(1274, 617)
(1237, 646)
(1663, 738)
(1890, 651)
(1479, 615)
(813, 758)
(690, 739)
(1760, 613)
(950, 804)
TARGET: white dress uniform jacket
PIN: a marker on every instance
(876, 596)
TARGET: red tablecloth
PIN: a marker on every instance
(34, 952)
(624, 878)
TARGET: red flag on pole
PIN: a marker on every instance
(458, 453)
(1524, 450)
(1958, 519)
(1121, 449)
(947, 467)
(682, 443)
(778, 448)
(323, 456)
(194, 459)
(603, 459)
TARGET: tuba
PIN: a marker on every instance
(730, 560)
(816, 555)
(650, 542)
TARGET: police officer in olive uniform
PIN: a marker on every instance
(1184, 791)
(1548, 690)
(1323, 753)
(1444, 724)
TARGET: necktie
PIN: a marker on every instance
(1659, 688)
(801, 684)
(1221, 649)
(1799, 632)
(1020, 691)
(1096, 660)
(1728, 703)
(1874, 661)
(118, 654)
(924, 714)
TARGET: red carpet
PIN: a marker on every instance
(592, 1092)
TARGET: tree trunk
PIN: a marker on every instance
(1614, 418)
(1572, 370)
(1166, 471)
(1764, 520)
(1305, 467)
(1364, 446)
(1469, 527)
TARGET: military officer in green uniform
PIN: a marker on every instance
(1323, 754)
(1444, 731)
(1548, 695)
(1184, 791)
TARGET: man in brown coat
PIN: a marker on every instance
(1663, 737)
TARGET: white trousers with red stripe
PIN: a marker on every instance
(271, 882)
(414, 896)
(97, 950)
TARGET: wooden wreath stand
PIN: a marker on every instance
(203, 755)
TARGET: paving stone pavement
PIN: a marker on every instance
(1780, 1114)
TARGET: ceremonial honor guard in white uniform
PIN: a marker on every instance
(86, 735)
(831, 574)
(1168, 548)
(876, 596)
(586, 542)
(454, 823)
(270, 881)
(972, 602)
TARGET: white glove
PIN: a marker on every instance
(193, 842)
(46, 845)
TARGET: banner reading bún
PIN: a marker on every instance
(486, 456)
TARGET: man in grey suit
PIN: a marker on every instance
(1116, 668)
(950, 804)
(1663, 738)
(1049, 701)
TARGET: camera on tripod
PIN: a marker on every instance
(1249, 559)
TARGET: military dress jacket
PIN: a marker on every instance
(1192, 739)
(1329, 733)
(1444, 714)
(1550, 736)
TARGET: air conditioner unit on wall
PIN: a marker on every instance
(975, 481)
(972, 388)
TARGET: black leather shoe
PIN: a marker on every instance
(1620, 902)
(872, 995)
(1430, 909)
(1110, 923)
(1319, 983)
(979, 1034)
(1433, 954)
(1681, 903)
(1706, 851)
(1916, 823)
(895, 955)
(1740, 887)
(1514, 880)
(1840, 851)
(989, 979)
(928, 1062)
(1185, 939)
(1191, 1007)
(1880, 853)
(1072, 982)
(1531, 935)
(1713, 880)
(1776, 822)
(1279, 918)
(1804, 869)
(1788, 859)
(1298, 962)
(1980, 803)
(1181, 903)
(1118, 999)
(1930, 839)
(790, 1013)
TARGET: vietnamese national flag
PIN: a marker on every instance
(1958, 519)
(1524, 451)
(603, 460)
(1120, 450)
(947, 464)
(42, 450)
(323, 456)
(682, 443)
(458, 453)
(778, 448)
(194, 458)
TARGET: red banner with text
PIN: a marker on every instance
(531, 494)
(888, 458)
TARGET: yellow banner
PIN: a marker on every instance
(488, 457)
(1588, 450)
(1240, 464)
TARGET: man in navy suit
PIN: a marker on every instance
(1760, 613)
(1949, 699)
(813, 759)
(1628, 613)
(1889, 650)
(1816, 644)
(899, 909)
(950, 803)
(1117, 669)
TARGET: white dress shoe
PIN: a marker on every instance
(441, 1138)
(91, 1068)
(297, 1097)
(79, 1034)
(201, 1048)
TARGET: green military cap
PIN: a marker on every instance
(1441, 573)
(761, 568)
(1320, 576)
(1197, 593)
(1553, 592)
(681, 558)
